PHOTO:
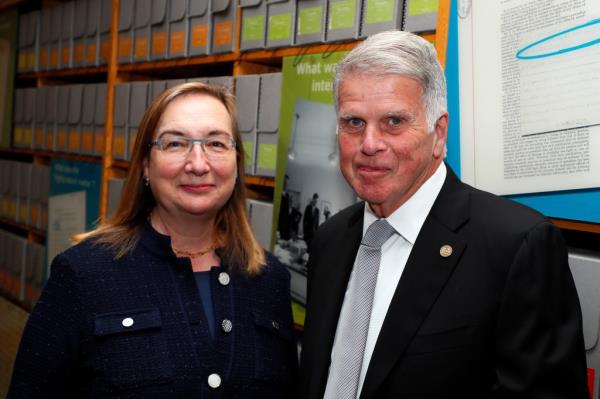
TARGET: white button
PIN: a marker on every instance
(214, 380)
(127, 322)
(226, 325)
(224, 278)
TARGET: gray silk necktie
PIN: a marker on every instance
(353, 327)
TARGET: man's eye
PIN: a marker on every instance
(354, 122)
(395, 121)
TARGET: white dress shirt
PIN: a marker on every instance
(407, 221)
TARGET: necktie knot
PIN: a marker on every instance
(377, 234)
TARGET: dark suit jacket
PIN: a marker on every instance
(75, 343)
(498, 318)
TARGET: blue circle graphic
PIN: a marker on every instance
(520, 54)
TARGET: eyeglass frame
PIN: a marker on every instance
(202, 141)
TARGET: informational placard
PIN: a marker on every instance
(73, 202)
(309, 186)
(529, 83)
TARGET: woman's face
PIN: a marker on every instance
(190, 183)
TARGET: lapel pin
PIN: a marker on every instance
(445, 251)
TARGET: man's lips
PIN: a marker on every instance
(371, 169)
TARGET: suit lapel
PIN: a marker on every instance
(331, 280)
(424, 276)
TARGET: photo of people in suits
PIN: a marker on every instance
(311, 181)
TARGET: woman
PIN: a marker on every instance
(172, 297)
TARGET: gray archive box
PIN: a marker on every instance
(35, 195)
(261, 221)
(343, 20)
(381, 15)
(44, 191)
(310, 21)
(18, 111)
(54, 40)
(267, 125)
(246, 95)
(253, 25)
(28, 41)
(418, 20)
(281, 21)
(18, 267)
(62, 119)
(13, 191)
(44, 44)
(269, 103)
(24, 192)
(159, 30)
(156, 88)
(173, 82)
(75, 118)
(585, 267)
(225, 81)
(80, 22)
(222, 25)
(104, 32)
(137, 107)
(99, 119)
(126, 18)
(66, 35)
(141, 30)
(50, 118)
(115, 187)
(92, 32)
(198, 27)
(120, 121)
(40, 118)
(177, 29)
(88, 115)
(28, 117)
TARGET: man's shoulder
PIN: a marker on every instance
(343, 218)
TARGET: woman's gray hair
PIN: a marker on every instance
(399, 53)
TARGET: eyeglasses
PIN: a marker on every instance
(214, 147)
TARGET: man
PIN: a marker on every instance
(310, 223)
(472, 295)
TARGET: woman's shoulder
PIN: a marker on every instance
(274, 268)
(86, 255)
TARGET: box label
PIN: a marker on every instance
(309, 20)
(267, 156)
(248, 153)
(280, 26)
(253, 28)
(124, 46)
(91, 53)
(223, 33)
(141, 47)
(79, 53)
(87, 141)
(379, 11)
(66, 56)
(104, 50)
(200, 35)
(119, 146)
(177, 42)
(74, 140)
(39, 137)
(159, 43)
(49, 141)
(418, 7)
(342, 14)
(44, 57)
(99, 143)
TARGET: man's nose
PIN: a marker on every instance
(372, 140)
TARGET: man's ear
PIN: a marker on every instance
(440, 132)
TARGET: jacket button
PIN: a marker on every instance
(224, 278)
(226, 325)
(127, 322)
(275, 325)
(214, 380)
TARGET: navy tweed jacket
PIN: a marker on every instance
(77, 343)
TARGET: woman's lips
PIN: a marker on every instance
(197, 188)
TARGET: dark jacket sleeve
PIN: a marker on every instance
(45, 366)
(540, 349)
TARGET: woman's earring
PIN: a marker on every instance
(146, 181)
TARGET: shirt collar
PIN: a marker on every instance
(408, 219)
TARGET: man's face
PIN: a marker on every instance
(386, 152)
